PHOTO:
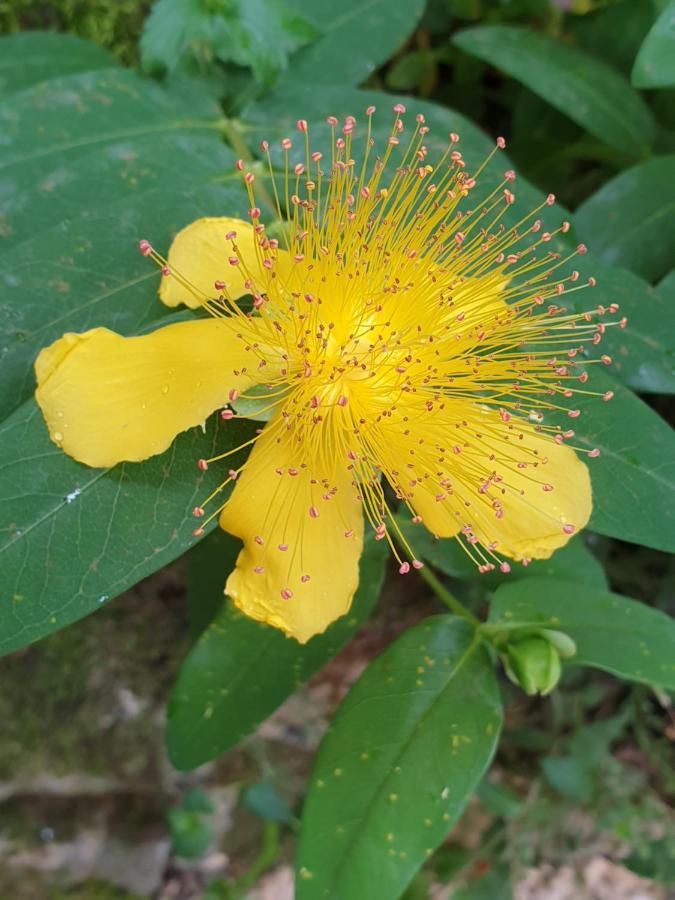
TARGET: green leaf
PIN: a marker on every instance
(405, 751)
(411, 70)
(655, 63)
(264, 800)
(627, 21)
(209, 564)
(630, 221)
(569, 776)
(93, 275)
(256, 33)
(591, 93)
(634, 478)
(356, 38)
(119, 159)
(611, 632)
(574, 561)
(103, 137)
(74, 537)
(34, 56)
(643, 353)
(239, 671)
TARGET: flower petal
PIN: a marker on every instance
(503, 483)
(295, 522)
(108, 398)
(201, 252)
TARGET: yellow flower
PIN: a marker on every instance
(410, 347)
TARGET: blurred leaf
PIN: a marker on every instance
(611, 632)
(196, 800)
(356, 38)
(655, 63)
(264, 800)
(634, 478)
(411, 70)
(655, 861)
(613, 31)
(570, 776)
(31, 57)
(191, 836)
(494, 885)
(499, 800)
(256, 33)
(630, 221)
(404, 753)
(239, 671)
(583, 88)
(72, 537)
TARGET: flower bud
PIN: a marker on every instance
(534, 664)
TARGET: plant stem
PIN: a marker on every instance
(449, 599)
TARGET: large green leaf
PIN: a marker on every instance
(630, 221)
(31, 57)
(611, 632)
(643, 352)
(72, 144)
(634, 477)
(89, 164)
(404, 753)
(356, 38)
(73, 537)
(239, 671)
(655, 63)
(88, 272)
(588, 91)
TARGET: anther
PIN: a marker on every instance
(145, 247)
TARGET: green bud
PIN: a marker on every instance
(562, 642)
(534, 664)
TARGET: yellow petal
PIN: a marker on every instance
(108, 398)
(280, 503)
(516, 489)
(201, 252)
(543, 504)
(500, 482)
